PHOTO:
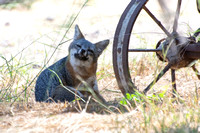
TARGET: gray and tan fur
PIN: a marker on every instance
(80, 64)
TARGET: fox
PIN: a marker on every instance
(69, 72)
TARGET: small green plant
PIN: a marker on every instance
(138, 98)
(198, 37)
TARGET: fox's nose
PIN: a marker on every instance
(83, 52)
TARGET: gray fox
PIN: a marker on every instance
(80, 64)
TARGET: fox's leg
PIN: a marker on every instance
(62, 94)
(96, 90)
(91, 83)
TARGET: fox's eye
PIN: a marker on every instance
(78, 45)
(90, 51)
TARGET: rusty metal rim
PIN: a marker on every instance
(121, 43)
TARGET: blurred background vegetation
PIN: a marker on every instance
(11, 4)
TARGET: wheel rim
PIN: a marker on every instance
(121, 44)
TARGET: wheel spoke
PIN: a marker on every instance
(144, 50)
(173, 81)
(157, 21)
(196, 71)
(157, 78)
(175, 26)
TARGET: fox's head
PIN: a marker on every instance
(84, 53)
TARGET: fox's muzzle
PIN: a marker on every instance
(82, 55)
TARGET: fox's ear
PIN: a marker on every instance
(101, 46)
(78, 35)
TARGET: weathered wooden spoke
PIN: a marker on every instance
(173, 76)
(196, 71)
(157, 78)
(157, 21)
(144, 50)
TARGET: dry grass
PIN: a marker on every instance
(164, 115)
(152, 113)
(43, 117)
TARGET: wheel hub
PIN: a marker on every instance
(172, 50)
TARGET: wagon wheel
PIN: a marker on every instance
(122, 50)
